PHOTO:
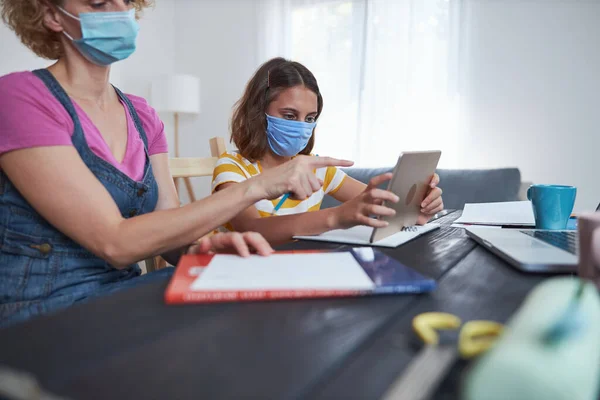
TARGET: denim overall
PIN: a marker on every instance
(41, 269)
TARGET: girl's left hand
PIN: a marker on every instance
(233, 242)
(432, 203)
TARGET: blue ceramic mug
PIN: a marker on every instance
(552, 205)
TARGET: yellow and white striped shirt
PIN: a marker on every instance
(232, 167)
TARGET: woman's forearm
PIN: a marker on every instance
(162, 231)
(281, 229)
(67, 194)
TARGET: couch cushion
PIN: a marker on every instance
(460, 186)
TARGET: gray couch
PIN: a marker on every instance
(459, 186)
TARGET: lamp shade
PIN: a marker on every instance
(176, 93)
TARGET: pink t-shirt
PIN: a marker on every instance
(30, 116)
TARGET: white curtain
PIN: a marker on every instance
(386, 69)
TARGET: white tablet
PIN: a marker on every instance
(412, 175)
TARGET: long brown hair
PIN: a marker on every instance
(249, 122)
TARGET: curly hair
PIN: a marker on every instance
(26, 18)
(248, 124)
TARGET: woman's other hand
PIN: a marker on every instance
(233, 242)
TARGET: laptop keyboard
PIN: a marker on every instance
(566, 240)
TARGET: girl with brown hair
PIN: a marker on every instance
(272, 124)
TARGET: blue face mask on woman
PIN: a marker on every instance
(106, 37)
(288, 138)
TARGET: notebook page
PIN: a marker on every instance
(360, 235)
(504, 213)
(335, 271)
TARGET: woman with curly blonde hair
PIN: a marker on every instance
(85, 187)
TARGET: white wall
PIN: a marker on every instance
(532, 91)
(154, 56)
(213, 40)
(216, 41)
(14, 56)
(155, 52)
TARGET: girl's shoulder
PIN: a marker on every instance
(232, 167)
(234, 162)
(234, 157)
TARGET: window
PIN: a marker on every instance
(327, 38)
(385, 69)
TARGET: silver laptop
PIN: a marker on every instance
(531, 250)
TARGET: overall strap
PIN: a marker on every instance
(135, 116)
(62, 96)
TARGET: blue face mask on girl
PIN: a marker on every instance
(106, 37)
(288, 138)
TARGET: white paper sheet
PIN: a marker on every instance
(361, 234)
(506, 213)
(335, 271)
(466, 226)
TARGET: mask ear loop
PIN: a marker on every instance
(69, 15)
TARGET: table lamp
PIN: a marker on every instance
(177, 94)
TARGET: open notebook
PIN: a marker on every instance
(509, 213)
(206, 278)
(360, 235)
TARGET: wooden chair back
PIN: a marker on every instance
(185, 168)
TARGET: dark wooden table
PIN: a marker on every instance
(132, 346)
